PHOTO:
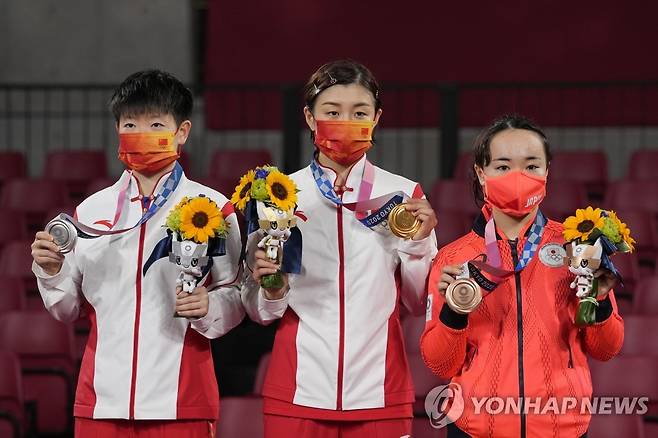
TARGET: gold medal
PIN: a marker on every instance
(402, 223)
(464, 295)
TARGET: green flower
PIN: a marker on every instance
(259, 190)
(173, 220)
(611, 230)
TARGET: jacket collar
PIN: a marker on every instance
(481, 222)
(353, 181)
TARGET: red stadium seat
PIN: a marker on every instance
(639, 336)
(261, 372)
(45, 348)
(56, 211)
(464, 167)
(643, 164)
(563, 198)
(587, 167)
(451, 226)
(644, 229)
(639, 377)
(240, 417)
(412, 328)
(76, 169)
(34, 198)
(232, 164)
(633, 195)
(16, 261)
(225, 186)
(12, 226)
(645, 301)
(12, 166)
(99, 184)
(615, 426)
(424, 380)
(186, 163)
(12, 419)
(421, 428)
(629, 267)
(452, 195)
(75, 166)
(12, 294)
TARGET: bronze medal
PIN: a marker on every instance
(464, 295)
(402, 223)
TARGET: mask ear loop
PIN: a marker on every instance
(179, 147)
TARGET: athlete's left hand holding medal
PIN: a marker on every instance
(414, 219)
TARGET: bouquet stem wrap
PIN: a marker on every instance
(586, 314)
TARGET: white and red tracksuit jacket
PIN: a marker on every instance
(339, 352)
(140, 361)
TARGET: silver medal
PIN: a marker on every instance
(64, 233)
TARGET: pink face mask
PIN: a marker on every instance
(344, 141)
(515, 193)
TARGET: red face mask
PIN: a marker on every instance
(344, 142)
(148, 151)
(515, 193)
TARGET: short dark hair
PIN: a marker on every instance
(341, 72)
(482, 145)
(152, 91)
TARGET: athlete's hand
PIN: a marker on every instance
(264, 266)
(607, 282)
(424, 212)
(194, 305)
(46, 253)
(448, 276)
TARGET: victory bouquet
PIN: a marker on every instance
(195, 224)
(593, 236)
(268, 199)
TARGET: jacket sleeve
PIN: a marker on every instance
(259, 308)
(603, 340)
(61, 293)
(225, 309)
(443, 343)
(415, 262)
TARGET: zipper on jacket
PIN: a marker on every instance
(138, 304)
(519, 331)
(341, 297)
(570, 357)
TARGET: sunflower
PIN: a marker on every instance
(242, 193)
(582, 224)
(626, 236)
(282, 191)
(201, 219)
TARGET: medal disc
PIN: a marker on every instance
(402, 223)
(464, 295)
(64, 234)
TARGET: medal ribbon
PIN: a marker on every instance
(370, 212)
(159, 200)
(493, 262)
